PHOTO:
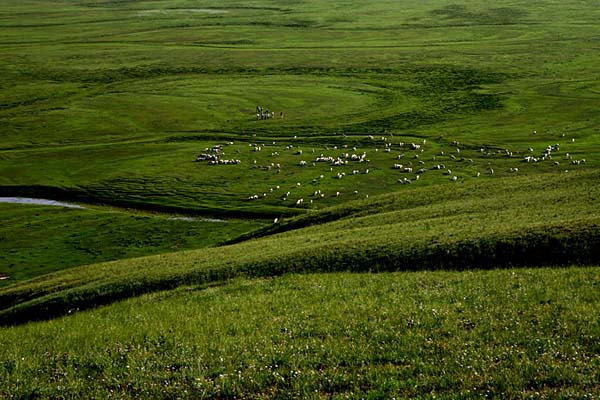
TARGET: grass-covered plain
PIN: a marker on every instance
(511, 334)
(414, 136)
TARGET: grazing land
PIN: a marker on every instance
(497, 334)
(269, 185)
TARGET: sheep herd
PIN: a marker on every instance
(413, 160)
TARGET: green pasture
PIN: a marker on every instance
(513, 334)
(470, 226)
(112, 101)
(407, 136)
(36, 240)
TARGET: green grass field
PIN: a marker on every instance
(461, 137)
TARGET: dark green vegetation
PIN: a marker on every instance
(35, 240)
(498, 334)
(414, 136)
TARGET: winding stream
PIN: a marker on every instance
(41, 202)
(46, 202)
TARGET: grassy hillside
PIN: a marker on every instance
(36, 240)
(512, 334)
(471, 225)
(406, 136)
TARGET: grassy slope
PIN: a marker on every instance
(108, 102)
(36, 240)
(512, 334)
(469, 225)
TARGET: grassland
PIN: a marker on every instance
(498, 334)
(426, 113)
(36, 240)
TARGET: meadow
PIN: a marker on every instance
(508, 334)
(418, 219)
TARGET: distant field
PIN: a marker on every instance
(112, 101)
